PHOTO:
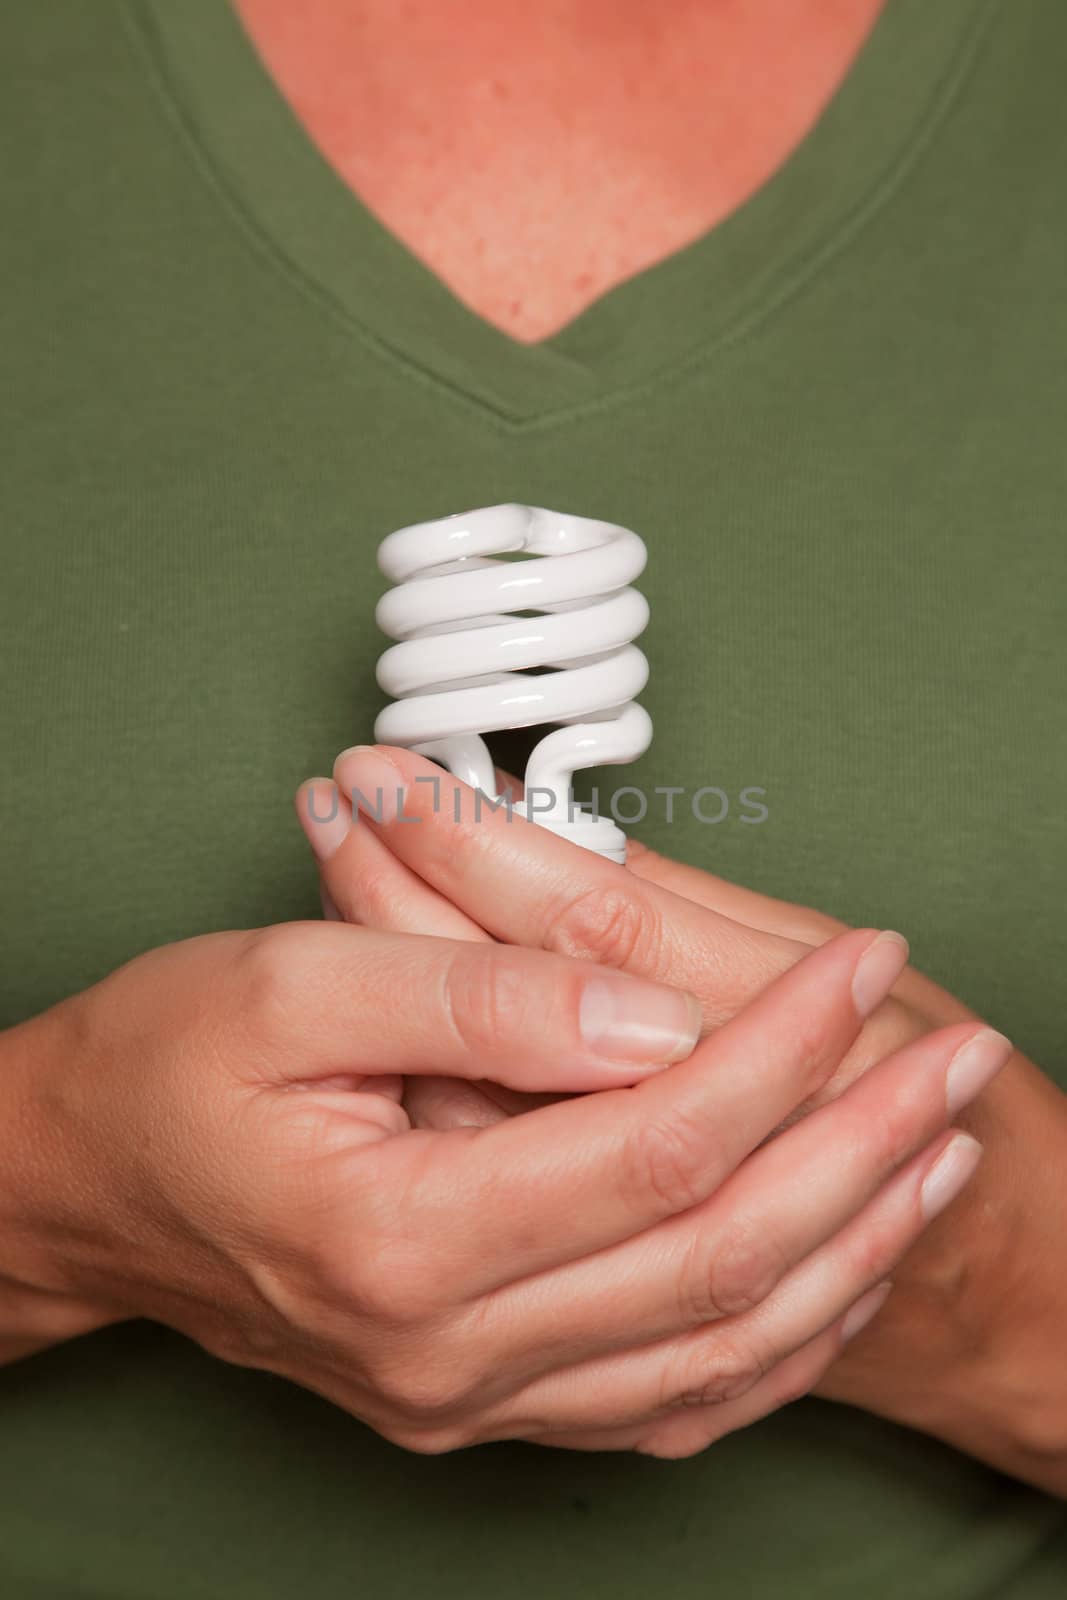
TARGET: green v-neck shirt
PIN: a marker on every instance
(838, 422)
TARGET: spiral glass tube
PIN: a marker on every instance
(477, 632)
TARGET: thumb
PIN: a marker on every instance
(335, 1001)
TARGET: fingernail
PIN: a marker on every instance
(865, 1310)
(629, 1020)
(948, 1174)
(877, 971)
(324, 817)
(370, 782)
(973, 1066)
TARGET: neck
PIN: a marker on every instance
(495, 136)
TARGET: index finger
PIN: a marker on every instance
(524, 885)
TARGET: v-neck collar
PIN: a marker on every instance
(672, 313)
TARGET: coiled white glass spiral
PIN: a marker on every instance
(473, 628)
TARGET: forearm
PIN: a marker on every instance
(971, 1346)
(38, 1307)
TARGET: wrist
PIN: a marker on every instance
(46, 1295)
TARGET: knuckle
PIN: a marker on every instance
(424, 1391)
(380, 1293)
(670, 1444)
(881, 1235)
(387, 1284)
(733, 1275)
(485, 993)
(614, 927)
(794, 1385)
(711, 1377)
(1039, 1427)
(816, 1049)
(272, 971)
(876, 1137)
(879, 1247)
(397, 1287)
(259, 966)
(428, 1441)
(664, 1159)
(891, 1130)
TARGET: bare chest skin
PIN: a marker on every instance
(533, 156)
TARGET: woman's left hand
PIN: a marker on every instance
(970, 1345)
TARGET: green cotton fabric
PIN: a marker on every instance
(838, 422)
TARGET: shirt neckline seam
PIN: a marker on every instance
(488, 406)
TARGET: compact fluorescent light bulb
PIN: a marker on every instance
(472, 628)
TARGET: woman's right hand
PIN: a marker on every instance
(639, 1268)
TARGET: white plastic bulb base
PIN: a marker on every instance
(485, 644)
(583, 828)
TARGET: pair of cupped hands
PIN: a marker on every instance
(516, 1143)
